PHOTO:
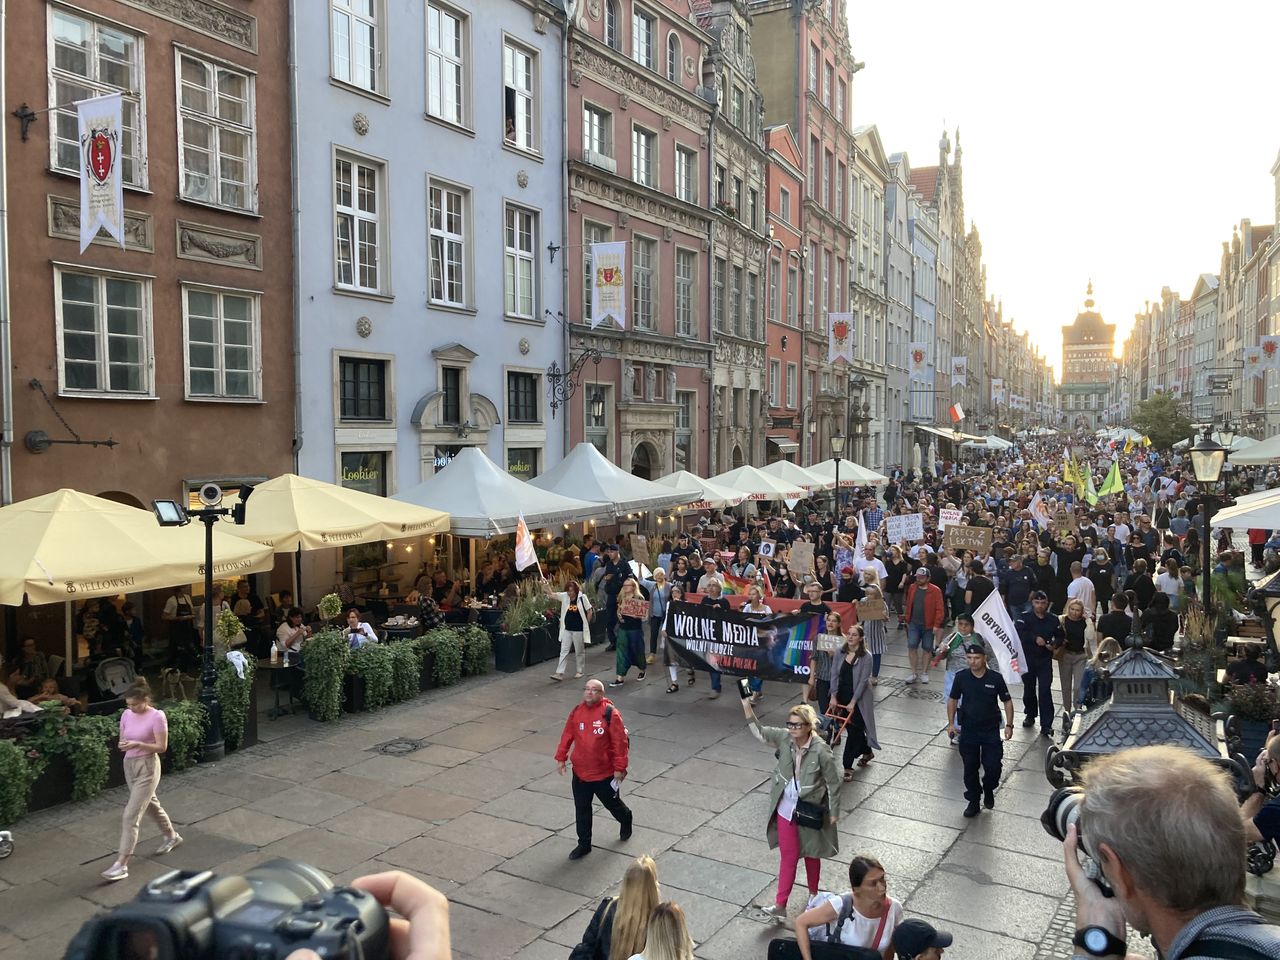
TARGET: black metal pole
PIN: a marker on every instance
(837, 491)
(1205, 554)
(214, 748)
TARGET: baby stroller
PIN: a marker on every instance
(114, 676)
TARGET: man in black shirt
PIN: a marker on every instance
(813, 605)
(979, 733)
(980, 586)
(1115, 623)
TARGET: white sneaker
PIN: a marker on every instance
(117, 871)
(168, 844)
(924, 678)
(775, 912)
(911, 678)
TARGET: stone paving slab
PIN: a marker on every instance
(674, 790)
(604, 834)
(738, 938)
(713, 878)
(442, 859)
(249, 826)
(546, 862)
(512, 896)
(331, 850)
(362, 789)
(539, 809)
(381, 826)
(991, 865)
(975, 943)
(1022, 915)
(304, 805)
(490, 834)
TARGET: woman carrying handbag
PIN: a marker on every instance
(804, 799)
(620, 924)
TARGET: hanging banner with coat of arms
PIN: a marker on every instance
(919, 356)
(1270, 347)
(1253, 363)
(959, 371)
(997, 390)
(609, 283)
(101, 180)
(839, 337)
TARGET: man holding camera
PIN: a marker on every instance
(1164, 827)
(1262, 816)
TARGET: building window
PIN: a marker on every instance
(720, 176)
(644, 255)
(753, 208)
(735, 300)
(366, 472)
(591, 233)
(738, 111)
(104, 332)
(518, 272)
(686, 291)
(812, 180)
(841, 96)
(355, 43)
(775, 283)
(357, 202)
(519, 74)
(841, 174)
(827, 167)
(597, 132)
(522, 462)
(791, 385)
(753, 295)
(522, 397)
(642, 27)
(842, 288)
(90, 59)
(686, 401)
(215, 133)
(810, 286)
(737, 197)
(446, 64)
(717, 293)
(775, 374)
(222, 344)
(826, 281)
(673, 58)
(363, 386)
(814, 57)
(793, 283)
(643, 144)
(612, 35)
(451, 402)
(686, 175)
(828, 81)
(448, 228)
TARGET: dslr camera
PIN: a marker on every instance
(275, 908)
(1064, 810)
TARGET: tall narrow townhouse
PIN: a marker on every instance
(639, 126)
(789, 417)
(868, 409)
(429, 189)
(898, 279)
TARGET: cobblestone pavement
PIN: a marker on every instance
(471, 802)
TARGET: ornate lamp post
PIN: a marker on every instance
(837, 448)
(1207, 459)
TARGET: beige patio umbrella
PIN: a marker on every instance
(291, 512)
(69, 545)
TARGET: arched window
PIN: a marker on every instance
(673, 58)
(611, 36)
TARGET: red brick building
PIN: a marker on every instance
(785, 345)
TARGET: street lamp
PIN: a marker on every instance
(837, 448)
(171, 513)
(1207, 459)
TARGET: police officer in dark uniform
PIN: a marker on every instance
(982, 691)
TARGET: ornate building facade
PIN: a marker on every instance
(1087, 367)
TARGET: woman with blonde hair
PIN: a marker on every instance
(668, 937)
(630, 651)
(804, 800)
(620, 924)
(755, 604)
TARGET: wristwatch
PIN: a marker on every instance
(1099, 942)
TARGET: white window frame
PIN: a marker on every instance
(646, 56)
(438, 59)
(388, 386)
(255, 343)
(775, 375)
(528, 139)
(379, 218)
(674, 57)
(464, 240)
(775, 291)
(649, 287)
(61, 108)
(686, 292)
(148, 341)
(686, 166)
(346, 9)
(513, 424)
(218, 128)
(519, 262)
(791, 386)
(597, 130)
(612, 21)
(592, 232)
(784, 204)
(649, 138)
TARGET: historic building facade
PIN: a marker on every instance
(868, 390)
(899, 271)
(783, 282)
(1087, 367)
(639, 127)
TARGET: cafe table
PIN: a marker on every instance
(281, 676)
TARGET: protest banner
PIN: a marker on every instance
(991, 622)
(769, 646)
(908, 527)
(800, 561)
(635, 607)
(961, 537)
(1064, 522)
(948, 517)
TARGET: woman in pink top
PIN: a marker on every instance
(144, 735)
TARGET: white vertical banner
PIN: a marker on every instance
(1253, 363)
(919, 358)
(1270, 352)
(101, 180)
(991, 622)
(609, 283)
(959, 371)
(839, 337)
(997, 390)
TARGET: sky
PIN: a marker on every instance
(1118, 141)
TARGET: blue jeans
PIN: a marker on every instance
(756, 684)
(919, 636)
(715, 680)
(1017, 610)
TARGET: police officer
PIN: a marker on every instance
(979, 734)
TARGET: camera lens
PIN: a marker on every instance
(287, 881)
(1062, 810)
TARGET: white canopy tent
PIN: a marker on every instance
(483, 499)
(710, 495)
(586, 475)
(788, 472)
(1255, 510)
(758, 485)
(1238, 443)
(1267, 451)
(851, 474)
(987, 443)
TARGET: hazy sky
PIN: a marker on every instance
(1119, 140)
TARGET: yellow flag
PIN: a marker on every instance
(1146, 441)
(1128, 445)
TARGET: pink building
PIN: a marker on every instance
(785, 343)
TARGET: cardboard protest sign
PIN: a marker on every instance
(801, 560)
(909, 526)
(634, 607)
(767, 548)
(948, 517)
(961, 537)
(872, 610)
(640, 548)
(1064, 522)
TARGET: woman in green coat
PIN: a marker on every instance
(806, 772)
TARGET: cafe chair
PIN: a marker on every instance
(115, 675)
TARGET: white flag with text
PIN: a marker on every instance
(991, 621)
(101, 180)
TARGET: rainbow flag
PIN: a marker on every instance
(738, 585)
(801, 639)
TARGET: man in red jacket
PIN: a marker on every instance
(598, 739)
(924, 612)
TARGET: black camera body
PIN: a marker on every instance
(1061, 812)
(266, 914)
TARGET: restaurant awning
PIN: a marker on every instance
(788, 472)
(947, 434)
(1267, 451)
(1256, 510)
(758, 485)
(851, 474)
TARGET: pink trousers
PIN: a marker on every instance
(789, 859)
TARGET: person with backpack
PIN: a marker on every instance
(804, 800)
(865, 917)
(600, 743)
(619, 927)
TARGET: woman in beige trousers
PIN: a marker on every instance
(144, 735)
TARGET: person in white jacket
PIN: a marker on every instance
(575, 616)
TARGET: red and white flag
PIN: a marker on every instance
(101, 179)
(526, 556)
(957, 413)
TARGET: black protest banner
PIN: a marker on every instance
(769, 646)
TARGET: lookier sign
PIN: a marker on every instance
(948, 517)
(908, 527)
(961, 537)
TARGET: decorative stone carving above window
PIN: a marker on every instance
(206, 16)
(64, 223)
(197, 241)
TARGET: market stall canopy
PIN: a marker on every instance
(758, 485)
(1266, 451)
(1257, 510)
(69, 545)
(290, 511)
(788, 472)
(712, 495)
(585, 474)
(851, 474)
(483, 499)
(1238, 443)
(999, 443)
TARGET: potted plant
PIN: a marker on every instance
(17, 774)
(329, 607)
(406, 670)
(1254, 706)
(427, 663)
(369, 669)
(187, 722)
(326, 666)
(446, 650)
(477, 650)
(236, 695)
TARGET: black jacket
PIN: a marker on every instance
(598, 937)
